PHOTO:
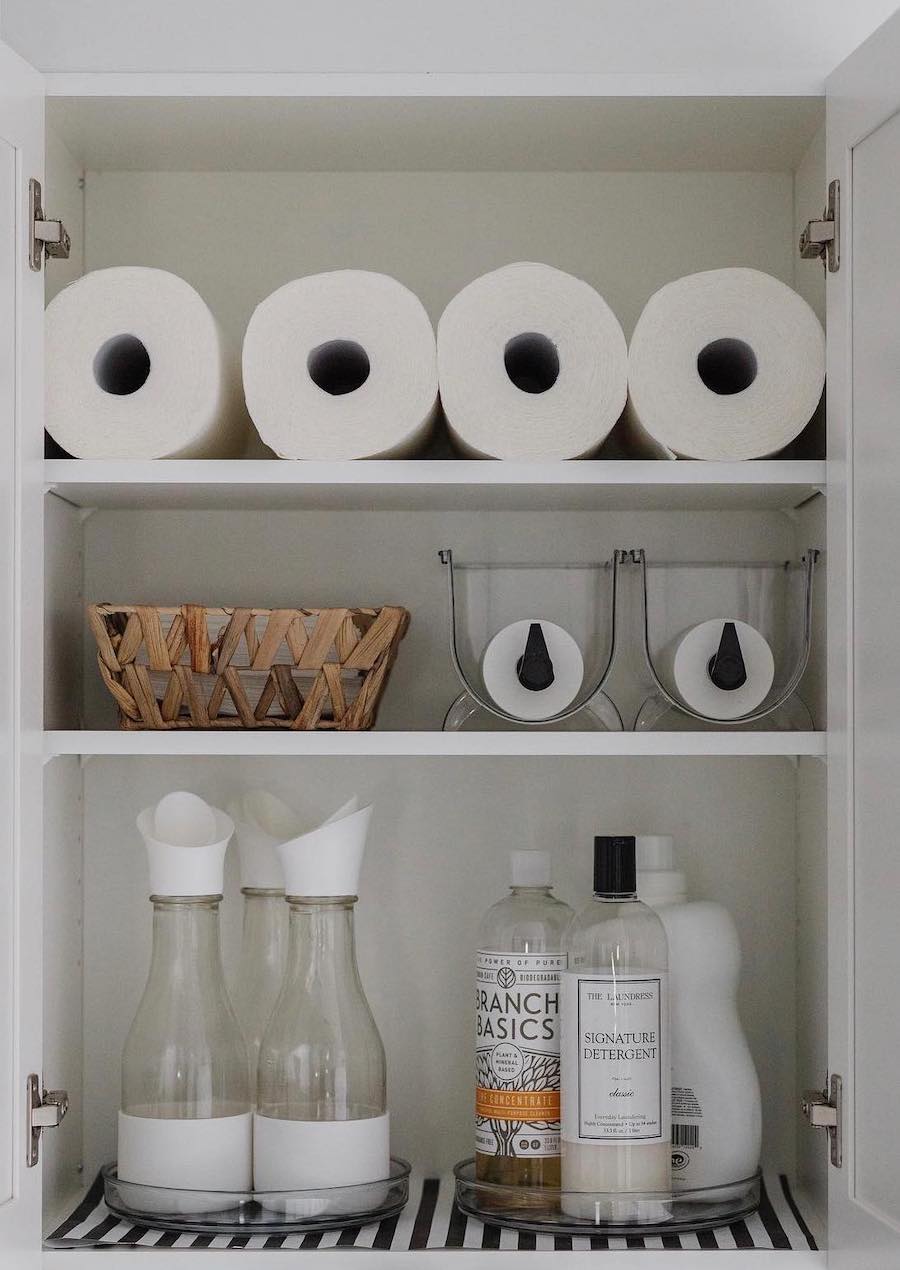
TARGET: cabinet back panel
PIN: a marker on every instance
(237, 236)
(324, 558)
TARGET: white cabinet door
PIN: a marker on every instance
(863, 124)
(21, 600)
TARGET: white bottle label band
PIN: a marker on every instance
(517, 1053)
(212, 1154)
(615, 1058)
(312, 1154)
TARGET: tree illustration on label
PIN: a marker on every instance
(506, 1075)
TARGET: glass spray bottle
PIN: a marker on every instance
(321, 1118)
(185, 1119)
(261, 821)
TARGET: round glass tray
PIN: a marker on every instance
(257, 1212)
(546, 1210)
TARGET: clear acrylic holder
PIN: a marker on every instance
(257, 1212)
(484, 598)
(620, 1213)
(775, 598)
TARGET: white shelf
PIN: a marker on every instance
(433, 484)
(278, 743)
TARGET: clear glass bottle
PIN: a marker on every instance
(260, 971)
(185, 1119)
(261, 822)
(519, 961)
(321, 1116)
(616, 1080)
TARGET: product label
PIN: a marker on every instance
(686, 1116)
(517, 1053)
(615, 1058)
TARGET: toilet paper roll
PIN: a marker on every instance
(685, 665)
(499, 670)
(532, 364)
(341, 366)
(728, 364)
(137, 368)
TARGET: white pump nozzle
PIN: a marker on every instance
(530, 868)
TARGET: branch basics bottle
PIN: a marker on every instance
(185, 1119)
(716, 1113)
(616, 1083)
(519, 961)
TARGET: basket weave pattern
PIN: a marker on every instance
(199, 667)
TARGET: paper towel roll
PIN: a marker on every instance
(341, 366)
(499, 670)
(532, 364)
(686, 666)
(728, 364)
(137, 368)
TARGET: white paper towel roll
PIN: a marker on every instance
(341, 366)
(727, 364)
(499, 670)
(137, 368)
(688, 665)
(532, 364)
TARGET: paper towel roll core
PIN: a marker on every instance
(689, 663)
(137, 368)
(499, 670)
(341, 365)
(728, 364)
(532, 365)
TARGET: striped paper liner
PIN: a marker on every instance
(432, 1219)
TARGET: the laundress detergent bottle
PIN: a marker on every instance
(716, 1116)
(185, 1119)
(616, 1084)
(517, 978)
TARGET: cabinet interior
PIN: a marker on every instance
(239, 196)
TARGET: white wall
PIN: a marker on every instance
(237, 236)
(63, 196)
(810, 186)
(733, 44)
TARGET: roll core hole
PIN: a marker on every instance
(338, 367)
(121, 365)
(727, 366)
(532, 362)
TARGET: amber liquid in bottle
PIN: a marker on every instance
(519, 964)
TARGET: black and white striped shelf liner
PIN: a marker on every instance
(432, 1219)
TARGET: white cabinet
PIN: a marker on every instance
(242, 184)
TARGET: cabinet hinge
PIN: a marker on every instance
(45, 237)
(824, 1109)
(821, 240)
(45, 1109)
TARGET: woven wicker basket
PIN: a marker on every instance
(198, 667)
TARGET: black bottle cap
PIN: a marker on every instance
(726, 668)
(534, 668)
(615, 871)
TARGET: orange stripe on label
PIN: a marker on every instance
(517, 1104)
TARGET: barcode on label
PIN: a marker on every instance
(685, 1135)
